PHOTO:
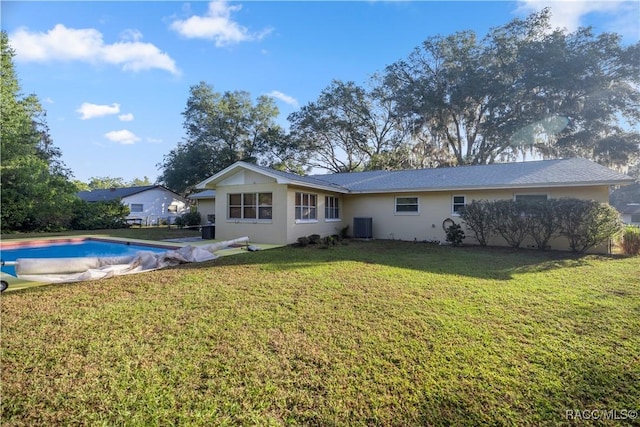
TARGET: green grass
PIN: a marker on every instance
(369, 333)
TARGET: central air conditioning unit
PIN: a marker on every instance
(363, 228)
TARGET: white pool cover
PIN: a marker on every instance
(62, 270)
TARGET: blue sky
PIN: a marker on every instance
(114, 77)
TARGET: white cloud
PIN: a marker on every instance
(283, 97)
(217, 25)
(86, 45)
(123, 136)
(90, 111)
(126, 117)
(154, 140)
(49, 100)
(570, 14)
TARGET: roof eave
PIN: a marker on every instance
(492, 187)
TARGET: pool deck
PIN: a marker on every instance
(17, 284)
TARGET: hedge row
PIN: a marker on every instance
(584, 223)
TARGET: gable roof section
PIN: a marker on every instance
(279, 176)
(542, 173)
(102, 195)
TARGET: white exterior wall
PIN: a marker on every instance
(155, 204)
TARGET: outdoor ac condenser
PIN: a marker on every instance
(363, 228)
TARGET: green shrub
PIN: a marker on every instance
(477, 218)
(188, 219)
(455, 234)
(631, 240)
(586, 223)
(99, 215)
(543, 223)
(303, 241)
(510, 219)
(314, 239)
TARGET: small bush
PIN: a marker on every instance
(344, 232)
(314, 239)
(455, 234)
(477, 217)
(188, 219)
(510, 220)
(631, 240)
(587, 223)
(543, 225)
(303, 241)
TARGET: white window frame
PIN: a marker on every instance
(455, 212)
(417, 205)
(303, 206)
(258, 207)
(331, 208)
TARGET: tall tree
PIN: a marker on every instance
(524, 88)
(221, 128)
(35, 188)
(349, 128)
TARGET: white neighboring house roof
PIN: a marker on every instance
(573, 172)
(107, 194)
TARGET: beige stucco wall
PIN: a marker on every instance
(435, 207)
(206, 207)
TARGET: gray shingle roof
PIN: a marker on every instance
(206, 194)
(101, 195)
(561, 172)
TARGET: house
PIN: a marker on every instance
(627, 201)
(148, 205)
(277, 207)
(205, 205)
(630, 213)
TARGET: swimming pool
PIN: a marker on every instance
(71, 248)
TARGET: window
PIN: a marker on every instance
(211, 219)
(331, 208)
(531, 198)
(306, 207)
(172, 208)
(250, 206)
(136, 208)
(458, 205)
(635, 218)
(406, 204)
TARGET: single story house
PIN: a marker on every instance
(205, 205)
(277, 207)
(630, 213)
(148, 205)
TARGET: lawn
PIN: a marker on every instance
(366, 333)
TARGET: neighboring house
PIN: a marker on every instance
(627, 201)
(148, 205)
(277, 207)
(630, 213)
(205, 205)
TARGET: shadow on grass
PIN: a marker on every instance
(478, 262)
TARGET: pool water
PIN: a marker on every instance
(84, 248)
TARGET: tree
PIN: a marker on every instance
(221, 129)
(350, 128)
(105, 182)
(524, 88)
(35, 188)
